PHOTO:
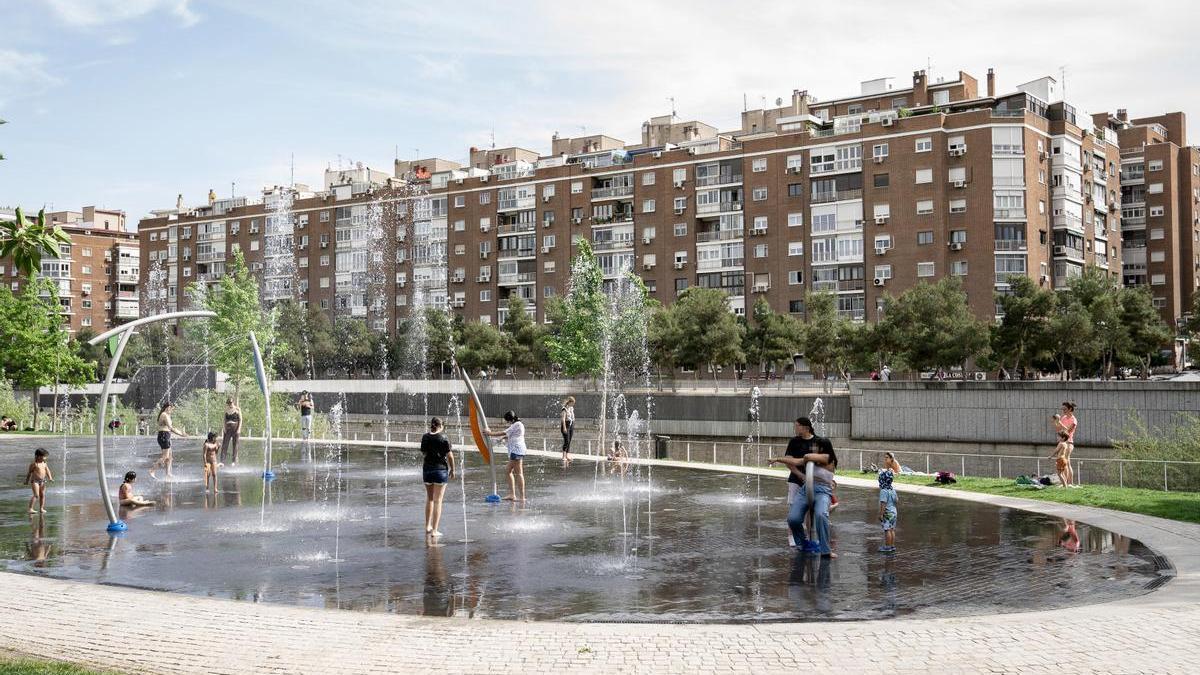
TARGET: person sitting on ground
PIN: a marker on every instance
(618, 452)
(890, 463)
(126, 497)
(7, 423)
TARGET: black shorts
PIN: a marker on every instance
(164, 440)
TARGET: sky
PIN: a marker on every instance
(126, 103)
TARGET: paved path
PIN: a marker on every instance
(167, 633)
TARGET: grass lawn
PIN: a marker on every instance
(10, 664)
(1183, 506)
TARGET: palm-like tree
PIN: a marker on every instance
(26, 243)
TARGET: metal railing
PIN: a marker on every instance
(719, 235)
(1012, 245)
(835, 195)
(720, 179)
(613, 191)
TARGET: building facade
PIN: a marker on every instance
(862, 197)
(97, 274)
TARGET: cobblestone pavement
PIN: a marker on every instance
(151, 632)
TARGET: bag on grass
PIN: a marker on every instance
(944, 477)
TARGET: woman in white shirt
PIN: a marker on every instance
(514, 437)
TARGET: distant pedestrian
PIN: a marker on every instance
(165, 431)
(514, 436)
(885, 374)
(437, 469)
(233, 430)
(887, 511)
(566, 423)
(305, 404)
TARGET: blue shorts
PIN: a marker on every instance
(888, 522)
(515, 458)
(436, 476)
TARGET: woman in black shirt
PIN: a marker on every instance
(437, 469)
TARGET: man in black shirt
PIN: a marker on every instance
(805, 442)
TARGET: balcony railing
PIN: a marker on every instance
(718, 207)
(1102, 260)
(720, 179)
(852, 164)
(619, 217)
(518, 278)
(1132, 175)
(851, 284)
(1009, 214)
(1060, 251)
(516, 228)
(825, 285)
(612, 245)
(612, 192)
(1002, 278)
(1012, 245)
(719, 235)
(126, 312)
(1008, 113)
(515, 253)
(835, 195)
(855, 314)
(1070, 222)
(518, 203)
(1007, 149)
(718, 263)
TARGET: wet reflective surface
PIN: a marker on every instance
(590, 545)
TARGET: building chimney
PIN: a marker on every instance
(920, 88)
(799, 102)
(1123, 114)
(991, 83)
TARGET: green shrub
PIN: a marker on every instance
(203, 410)
(19, 409)
(1178, 442)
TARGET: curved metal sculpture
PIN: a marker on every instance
(261, 373)
(124, 330)
(478, 419)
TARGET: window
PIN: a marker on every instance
(548, 241)
(1158, 279)
(680, 203)
(760, 223)
(958, 206)
(648, 178)
(924, 176)
(924, 269)
(958, 236)
(795, 189)
(795, 163)
(680, 257)
(795, 220)
(153, 236)
(924, 207)
(898, 103)
(1042, 176)
(324, 261)
(796, 306)
(958, 268)
(680, 286)
(925, 237)
(548, 190)
(924, 144)
(759, 165)
(324, 282)
(881, 180)
(549, 292)
(547, 218)
(760, 250)
(485, 224)
(460, 201)
(824, 222)
(647, 206)
(680, 229)
(576, 187)
(486, 197)
(795, 277)
(883, 243)
(1158, 256)
(882, 211)
(460, 249)
(759, 194)
(678, 176)
(253, 244)
(460, 226)
(795, 248)
(302, 261)
(485, 295)
(649, 232)
(87, 269)
(1154, 188)
(854, 109)
(87, 251)
(1157, 210)
(956, 143)
(957, 175)
(1154, 165)
(485, 247)
(1156, 233)
(883, 271)
(879, 150)
(649, 260)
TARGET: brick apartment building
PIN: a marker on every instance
(98, 273)
(861, 196)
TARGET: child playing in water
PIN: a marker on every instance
(210, 461)
(618, 452)
(125, 496)
(36, 477)
(1062, 459)
(887, 510)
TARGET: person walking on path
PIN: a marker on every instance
(566, 423)
(233, 430)
(305, 404)
(514, 437)
(1065, 422)
(437, 469)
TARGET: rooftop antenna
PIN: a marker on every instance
(493, 136)
(293, 171)
(672, 100)
(745, 104)
(1062, 76)
(232, 189)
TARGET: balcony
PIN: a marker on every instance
(517, 278)
(1008, 214)
(1008, 149)
(835, 196)
(719, 263)
(1132, 175)
(616, 218)
(614, 192)
(825, 285)
(851, 285)
(820, 168)
(1068, 252)
(718, 207)
(854, 314)
(997, 112)
(1069, 222)
(516, 228)
(1134, 255)
(1012, 245)
(1102, 261)
(518, 204)
(1003, 278)
(720, 179)
(611, 245)
(719, 235)
(507, 254)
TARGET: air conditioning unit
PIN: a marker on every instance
(881, 220)
(324, 244)
(1060, 250)
(959, 183)
(958, 152)
(761, 288)
(879, 281)
(545, 199)
(483, 255)
(648, 266)
(679, 212)
(679, 265)
(956, 246)
(1044, 278)
(482, 279)
(547, 223)
(401, 284)
(646, 240)
(887, 121)
(795, 169)
(484, 228)
(1042, 155)
(576, 221)
(691, 151)
(457, 280)
(1112, 207)
(679, 183)
(458, 182)
(757, 231)
(545, 249)
(483, 179)
(879, 159)
(657, 154)
(880, 250)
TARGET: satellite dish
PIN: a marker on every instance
(778, 101)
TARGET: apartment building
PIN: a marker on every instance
(98, 272)
(1160, 207)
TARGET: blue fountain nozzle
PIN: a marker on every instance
(492, 499)
(268, 475)
(117, 526)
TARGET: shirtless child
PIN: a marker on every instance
(211, 447)
(125, 496)
(36, 478)
(1062, 459)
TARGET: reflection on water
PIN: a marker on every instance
(693, 546)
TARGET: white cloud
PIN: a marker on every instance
(94, 13)
(23, 74)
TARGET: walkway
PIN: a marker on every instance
(166, 633)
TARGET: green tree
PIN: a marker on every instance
(575, 343)
(1071, 337)
(26, 242)
(772, 339)
(662, 339)
(480, 347)
(525, 340)
(439, 346)
(1099, 294)
(1021, 336)
(36, 350)
(933, 326)
(235, 302)
(823, 327)
(709, 334)
(1147, 333)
